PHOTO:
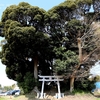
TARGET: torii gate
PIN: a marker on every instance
(50, 78)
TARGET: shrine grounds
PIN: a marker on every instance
(50, 96)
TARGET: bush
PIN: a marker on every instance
(85, 85)
(29, 83)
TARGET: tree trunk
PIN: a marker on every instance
(35, 67)
(72, 83)
(80, 50)
(80, 62)
(36, 72)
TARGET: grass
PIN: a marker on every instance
(1, 98)
(98, 99)
(80, 92)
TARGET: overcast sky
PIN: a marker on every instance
(45, 4)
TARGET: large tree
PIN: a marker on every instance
(70, 27)
(26, 43)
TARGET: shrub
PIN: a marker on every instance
(29, 83)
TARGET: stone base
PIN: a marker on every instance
(58, 96)
(41, 96)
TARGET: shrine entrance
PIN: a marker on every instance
(50, 78)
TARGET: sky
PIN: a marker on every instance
(95, 70)
(45, 4)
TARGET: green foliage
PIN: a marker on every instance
(84, 85)
(7, 88)
(28, 83)
(0, 55)
(38, 17)
(58, 51)
(59, 66)
(25, 38)
(55, 16)
(71, 4)
(75, 27)
(76, 24)
(67, 60)
(81, 92)
(84, 1)
(24, 4)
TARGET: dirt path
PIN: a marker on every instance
(73, 97)
(51, 97)
(79, 97)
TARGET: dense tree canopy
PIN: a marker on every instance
(25, 40)
(46, 41)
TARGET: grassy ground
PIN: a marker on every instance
(1, 98)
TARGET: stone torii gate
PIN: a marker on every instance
(50, 78)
